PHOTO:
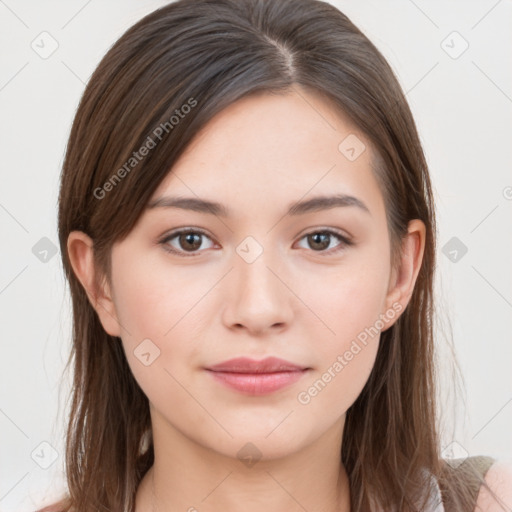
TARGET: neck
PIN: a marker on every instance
(193, 478)
(266, 493)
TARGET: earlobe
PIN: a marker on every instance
(403, 279)
(81, 254)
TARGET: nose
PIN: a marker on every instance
(259, 298)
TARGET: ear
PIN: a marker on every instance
(403, 278)
(81, 254)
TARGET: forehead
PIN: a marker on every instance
(274, 148)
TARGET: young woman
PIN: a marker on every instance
(248, 229)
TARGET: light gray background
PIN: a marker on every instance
(462, 107)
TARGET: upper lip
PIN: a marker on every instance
(246, 365)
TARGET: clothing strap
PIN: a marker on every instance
(474, 470)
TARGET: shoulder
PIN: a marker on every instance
(499, 480)
(63, 505)
(55, 507)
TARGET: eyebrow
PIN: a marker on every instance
(298, 208)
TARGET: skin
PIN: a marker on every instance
(499, 479)
(295, 301)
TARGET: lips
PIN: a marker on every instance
(253, 377)
(246, 365)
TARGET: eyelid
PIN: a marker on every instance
(326, 229)
(345, 239)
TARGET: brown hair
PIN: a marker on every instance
(206, 54)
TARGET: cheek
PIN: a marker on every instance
(153, 300)
(346, 299)
(345, 356)
(163, 313)
(349, 305)
(333, 390)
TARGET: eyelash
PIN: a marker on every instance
(345, 242)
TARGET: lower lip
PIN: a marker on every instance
(258, 383)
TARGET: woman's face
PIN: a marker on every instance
(257, 280)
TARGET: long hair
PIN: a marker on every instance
(158, 85)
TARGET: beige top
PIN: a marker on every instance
(474, 470)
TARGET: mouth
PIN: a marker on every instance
(253, 377)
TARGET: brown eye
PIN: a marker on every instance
(190, 241)
(319, 241)
(187, 241)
